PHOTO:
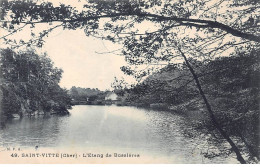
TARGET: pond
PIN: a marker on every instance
(156, 136)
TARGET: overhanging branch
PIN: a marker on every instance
(182, 21)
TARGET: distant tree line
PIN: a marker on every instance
(88, 96)
(30, 84)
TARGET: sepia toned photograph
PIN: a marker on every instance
(129, 81)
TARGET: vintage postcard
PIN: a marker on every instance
(129, 82)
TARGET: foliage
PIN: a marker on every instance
(204, 25)
(231, 84)
(30, 83)
(87, 95)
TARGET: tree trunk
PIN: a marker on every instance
(212, 116)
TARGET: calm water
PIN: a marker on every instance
(110, 128)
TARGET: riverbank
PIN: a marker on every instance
(193, 108)
(36, 114)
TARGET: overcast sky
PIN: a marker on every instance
(81, 59)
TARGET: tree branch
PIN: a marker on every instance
(14, 31)
(191, 22)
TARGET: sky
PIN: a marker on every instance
(85, 60)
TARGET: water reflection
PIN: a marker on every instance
(31, 131)
(151, 133)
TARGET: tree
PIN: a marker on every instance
(231, 87)
(30, 82)
(198, 29)
(74, 92)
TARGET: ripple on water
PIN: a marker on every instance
(111, 128)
